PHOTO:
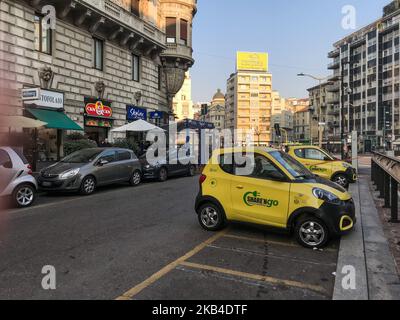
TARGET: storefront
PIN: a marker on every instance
(45, 144)
(98, 119)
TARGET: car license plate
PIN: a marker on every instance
(46, 184)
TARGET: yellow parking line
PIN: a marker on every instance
(158, 275)
(256, 277)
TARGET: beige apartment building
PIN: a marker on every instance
(249, 100)
(301, 125)
(182, 102)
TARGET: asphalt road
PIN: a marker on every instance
(146, 243)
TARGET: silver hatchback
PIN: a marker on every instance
(84, 170)
(16, 178)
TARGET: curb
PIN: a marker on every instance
(367, 250)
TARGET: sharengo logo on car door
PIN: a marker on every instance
(254, 199)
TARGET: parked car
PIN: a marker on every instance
(277, 191)
(84, 170)
(167, 168)
(322, 164)
(16, 179)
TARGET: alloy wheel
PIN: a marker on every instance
(312, 233)
(209, 217)
(25, 196)
(341, 181)
(136, 178)
(88, 185)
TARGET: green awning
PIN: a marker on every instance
(54, 119)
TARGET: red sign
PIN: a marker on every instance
(98, 109)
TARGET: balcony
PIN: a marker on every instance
(334, 65)
(178, 51)
(333, 88)
(334, 53)
(333, 100)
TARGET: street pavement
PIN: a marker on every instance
(146, 243)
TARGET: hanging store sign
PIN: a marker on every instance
(156, 115)
(134, 113)
(98, 108)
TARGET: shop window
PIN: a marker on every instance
(42, 35)
(184, 31)
(98, 53)
(171, 30)
(135, 68)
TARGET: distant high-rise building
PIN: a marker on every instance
(366, 79)
(249, 98)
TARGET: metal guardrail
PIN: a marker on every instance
(385, 173)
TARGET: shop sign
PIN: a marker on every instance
(102, 123)
(98, 108)
(156, 115)
(30, 94)
(44, 99)
(134, 113)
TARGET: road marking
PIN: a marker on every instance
(158, 275)
(271, 280)
(285, 244)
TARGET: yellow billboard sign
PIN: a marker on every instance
(252, 61)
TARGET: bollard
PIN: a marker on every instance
(395, 201)
(386, 192)
(372, 170)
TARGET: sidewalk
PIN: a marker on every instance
(367, 250)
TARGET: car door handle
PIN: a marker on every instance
(239, 187)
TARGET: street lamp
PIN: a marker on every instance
(320, 81)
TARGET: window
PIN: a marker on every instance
(135, 7)
(226, 163)
(123, 156)
(42, 35)
(312, 154)
(264, 169)
(135, 68)
(98, 53)
(5, 159)
(171, 30)
(184, 31)
(108, 156)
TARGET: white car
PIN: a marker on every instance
(16, 179)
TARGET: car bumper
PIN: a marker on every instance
(351, 174)
(340, 218)
(55, 184)
(151, 173)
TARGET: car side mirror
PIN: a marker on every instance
(102, 162)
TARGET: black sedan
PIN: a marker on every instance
(168, 167)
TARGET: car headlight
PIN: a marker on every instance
(69, 174)
(326, 196)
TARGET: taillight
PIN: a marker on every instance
(202, 179)
(29, 167)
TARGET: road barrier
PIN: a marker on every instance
(385, 173)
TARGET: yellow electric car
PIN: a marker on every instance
(269, 187)
(322, 164)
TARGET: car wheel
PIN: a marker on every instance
(24, 195)
(192, 171)
(211, 217)
(88, 186)
(341, 180)
(311, 232)
(136, 179)
(163, 175)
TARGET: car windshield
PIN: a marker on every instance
(295, 168)
(82, 156)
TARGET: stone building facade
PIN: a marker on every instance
(128, 54)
